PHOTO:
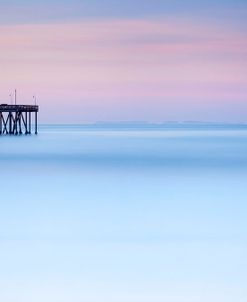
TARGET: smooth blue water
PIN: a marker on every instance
(94, 213)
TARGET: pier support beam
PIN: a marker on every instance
(26, 129)
(17, 119)
(10, 122)
(30, 123)
(36, 122)
(1, 123)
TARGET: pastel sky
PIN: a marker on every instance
(137, 60)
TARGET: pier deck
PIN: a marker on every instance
(17, 119)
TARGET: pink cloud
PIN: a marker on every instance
(124, 61)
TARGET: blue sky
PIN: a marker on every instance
(43, 11)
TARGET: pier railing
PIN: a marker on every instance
(18, 108)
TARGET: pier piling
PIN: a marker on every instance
(17, 119)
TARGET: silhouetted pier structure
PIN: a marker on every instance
(17, 119)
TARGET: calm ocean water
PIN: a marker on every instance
(117, 214)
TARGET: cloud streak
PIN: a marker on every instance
(140, 63)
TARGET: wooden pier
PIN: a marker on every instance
(17, 119)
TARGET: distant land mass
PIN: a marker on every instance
(165, 123)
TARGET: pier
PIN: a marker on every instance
(17, 119)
